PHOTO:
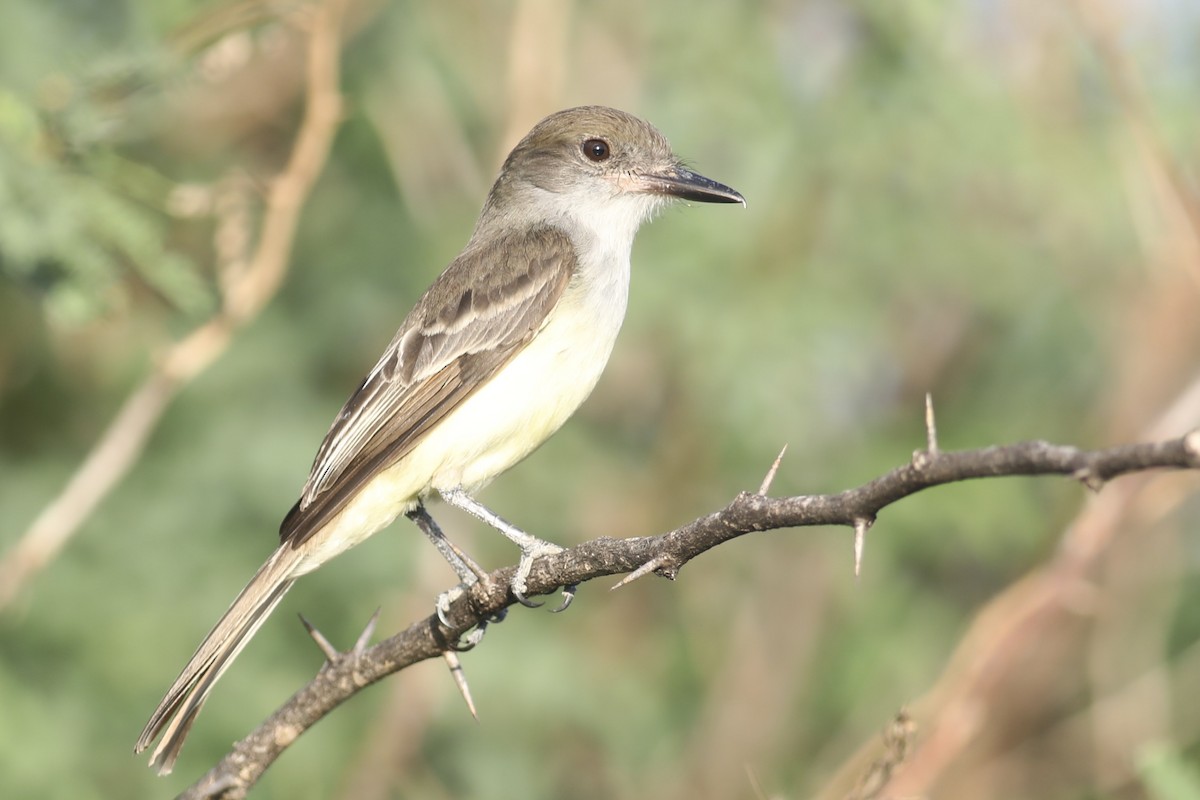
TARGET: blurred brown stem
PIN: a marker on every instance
(244, 297)
(749, 512)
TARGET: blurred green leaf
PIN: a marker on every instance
(1167, 775)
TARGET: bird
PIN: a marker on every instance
(494, 357)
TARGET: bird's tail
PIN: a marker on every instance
(183, 701)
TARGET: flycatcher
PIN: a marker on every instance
(496, 355)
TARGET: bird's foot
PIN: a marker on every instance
(529, 551)
(531, 546)
(475, 635)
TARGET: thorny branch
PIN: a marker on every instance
(748, 512)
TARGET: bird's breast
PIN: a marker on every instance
(539, 388)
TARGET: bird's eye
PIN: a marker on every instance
(596, 149)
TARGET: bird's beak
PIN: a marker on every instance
(677, 181)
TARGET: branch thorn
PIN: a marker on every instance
(460, 680)
(331, 653)
(860, 541)
(644, 569)
(1089, 478)
(770, 476)
(364, 638)
(480, 573)
(931, 439)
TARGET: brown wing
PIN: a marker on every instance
(476, 316)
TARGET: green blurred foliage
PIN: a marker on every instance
(1168, 775)
(940, 199)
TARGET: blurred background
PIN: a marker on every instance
(994, 201)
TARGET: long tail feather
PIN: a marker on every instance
(183, 701)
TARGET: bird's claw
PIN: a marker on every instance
(475, 636)
(523, 569)
(525, 566)
(470, 639)
(443, 603)
(568, 593)
(525, 601)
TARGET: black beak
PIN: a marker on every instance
(687, 185)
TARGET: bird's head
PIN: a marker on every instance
(601, 165)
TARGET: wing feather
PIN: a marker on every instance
(475, 317)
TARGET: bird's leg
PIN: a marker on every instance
(464, 566)
(531, 546)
